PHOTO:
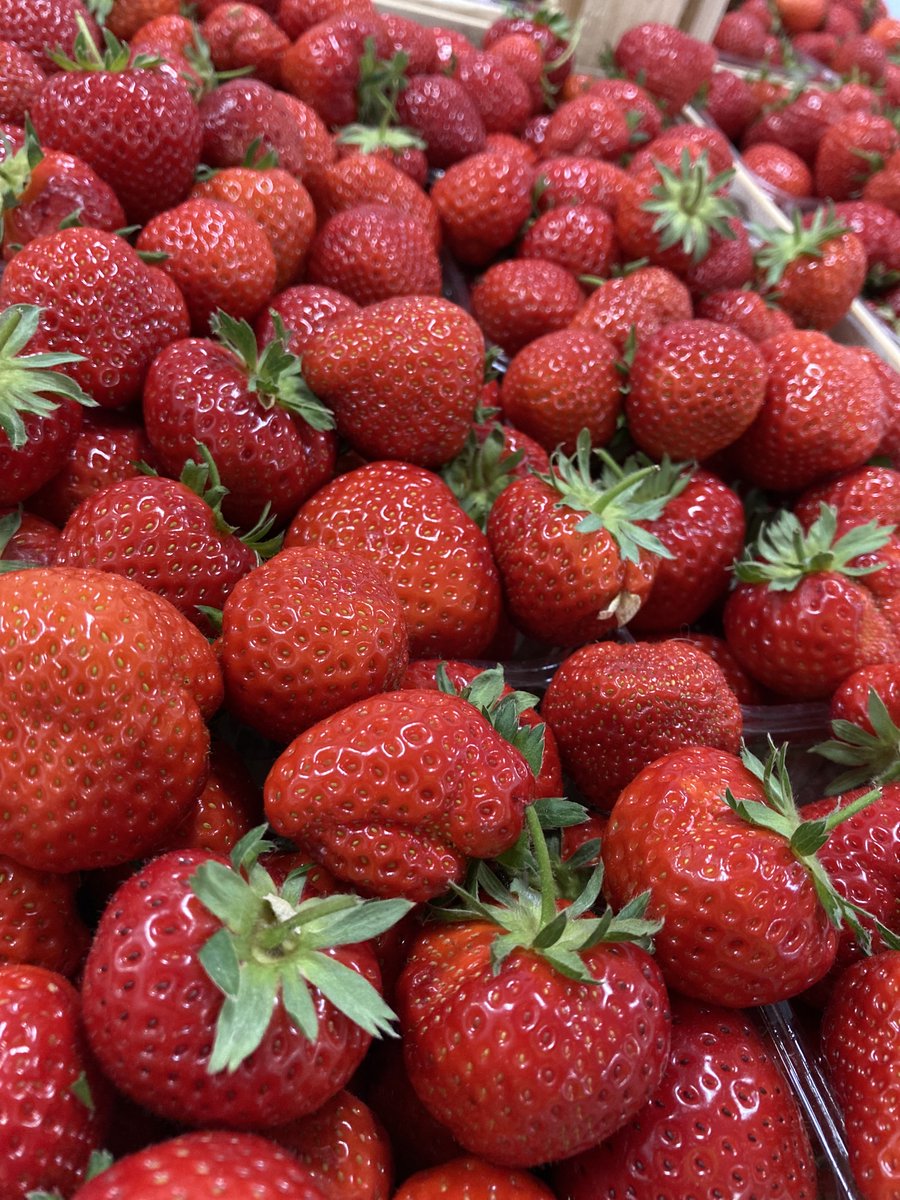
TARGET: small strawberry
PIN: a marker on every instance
(670, 64)
(368, 179)
(878, 228)
(797, 123)
(26, 540)
(582, 239)
(780, 169)
(520, 299)
(631, 307)
(39, 920)
(21, 77)
(590, 126)
(44, 25)
(867, 494)
(296, 16)
(741, 35)
(322, 67)
(569, 180)
(241, 36)
(442, 112)
(731, 104)
(747, 311)
(482, 203)
(501, 97)
(851, 150)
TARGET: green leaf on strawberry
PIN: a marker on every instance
(690, 207)
(480, 472)
(781, 247)
(872, 757)
(486, 693)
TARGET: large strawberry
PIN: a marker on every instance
(136, 126)
(724, 1119)
(410, 524)
(107, 755)
(271, 440)
(402, 376)
(670, 64)
(426, 782)
(256, 1004)
(861, 1040)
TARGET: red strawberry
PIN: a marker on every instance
(747, 311)
(797, 124)
(643, 301)
(799, 589)
(670, 64)
(780, 169)
(694, 388)
(731, 104)
(271, 440)
(229, 806)
(240, 36)
(472, 1179)
(641, 110)
(26, 539)
(740, 34)
(303, 1042)
(568, 181)
(483, 202)
(402, 377)
(878, 228)
(867, 494)
(748, 692)
(138, 128)
(306, 634)
(441, 111)
(322, 68)
(520, 299)
(851, 150)
(21, 78)
(79, 802)
(114, 311)
(296, 16)
(590, 126)
(39, 920)
(304, 310)
(582, 239)
(723, 1119)
(373, 252)
(409, 522)
(862, 56)
(861, 1040)
(616, 708)
(44, 25)
(493, 455)
(551, 32)
(368, 179)
(501, 97)
(54, 1108)
(668, 148)
(201, 1165)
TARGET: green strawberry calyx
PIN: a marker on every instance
(28, 380)
(779, 814)
(115, 56)
(615, 501)
(99, 1161)
(532, 918)
(10, 524)
(486, 693)
(381, 80)
(784, 553)
(274, 944)
(480, 472)
(781, 247)
(872, 757)
(275, 375)
(690, 207)
(16, 168)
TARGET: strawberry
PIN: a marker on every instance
(797, 589)
(861, 1041)
(402, 377)
(549, 29)
(482, 203)
(126, 17)
(867, 494)
(802, 436)
(641, 111)
(26, 539)
(229, 806)
(170, 536)
(670, 64)
(749, 693)
(443, 113)
(724, 1119)
(408, 521)
(347, 639)
(667, 149)
(503, 100)
(175, 40)
(429, 783)
(201, 1165)
(44, 25)
(367, 179)
(118, 789)
(524, 55)
(322, 67)
(562, 383)
(138, 128)
(278, 202)
(373, 252)
(702, 526)
(241, 36)
(642, 301)
(851, 150)
(520, 299)
(590, 126)
(731, 104)
(741, 35)
(749, 911)
(568, 181)
(582, 239)
(472, 1179)
(780, 169)
(303, 1042)
(493, 455)
(296, 16)
(574, 559)
(747, 311)
(694, 388)
(54, 1108)
(616, 708)
(862, 56)
(416, 41)
(497, 1006)
(39, 920)
(114, 311)
(304, 310)
(36, 432)
(21, 77)
(798, 124)
(878, 228)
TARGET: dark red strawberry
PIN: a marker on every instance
(26, 539)
(322, 68)
(670, 64)
(44, 25)
(582, 239)
(39, 920)
(441, 111)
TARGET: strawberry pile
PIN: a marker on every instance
(342, 362)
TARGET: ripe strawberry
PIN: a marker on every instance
(747, 311)
(749, 693)
(118, 789)
(590, 126)
(568, 181)
(643, 301)
(670, 64)
(114, 311)
(39, 920)
(861, 56)
(473, 1179)
(218, 255)
(503, 100)
(426, 783)
(582, 239)
(520, 299)
(493, 455)
(175, 40)
(170, 536)
(878, 228)
(44, 25)
(296, 16)
(749, 912)
(402, 377)
(278, 202)
(271, 440)
(242, 36)
(229, 806)
(322, 67)
(731, 104)
(304, 310)
(201, 1165)
(21, 78)
(443, 113)
(524, 55)
(26, 539)
(549, 29)
(861, 1040)
(347, 639)
(668, 148)
(368, 179)
(802, 436)
(495, 1010)
(797, 124)
(641, 110)
(614, 709)
(416, 41)
(372, 252)
(138, 128)
(724, 1119)
(126, 17)
(702, 526)
(741, 35)
(851, 150)
(482, 203)
(694, 388)
(799, 588)
(780, 169)
(54, 1107)
(574, 561)
(302, 1043)
(562, 383)
(867, 494)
